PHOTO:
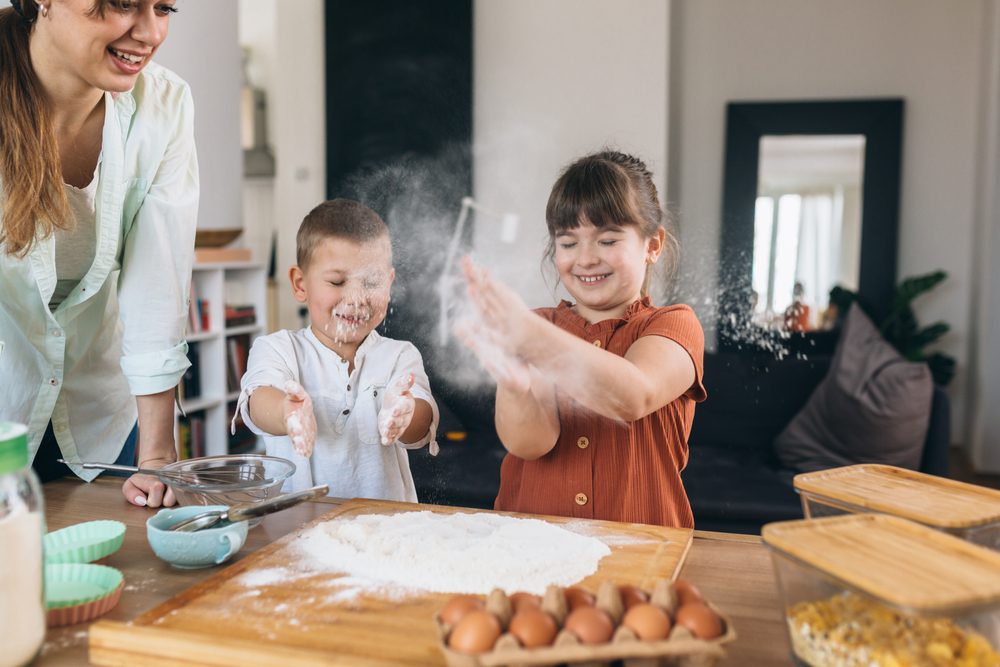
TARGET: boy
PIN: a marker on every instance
(336, 398)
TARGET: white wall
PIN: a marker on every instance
(922, 50)
(297, 101)
(983, 425)
(257, 19)
(555, 79)
(287, 62)
(203, 48)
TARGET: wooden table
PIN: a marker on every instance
(733, 571)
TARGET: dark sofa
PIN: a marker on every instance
(734, 481)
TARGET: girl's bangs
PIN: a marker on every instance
(595, 191)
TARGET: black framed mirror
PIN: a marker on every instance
(810, 201)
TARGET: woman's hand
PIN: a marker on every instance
(300, 422)
(148, 490)
(156, 449)
(397, 410)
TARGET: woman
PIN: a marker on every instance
(97, 216)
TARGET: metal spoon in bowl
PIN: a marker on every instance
(249, 510)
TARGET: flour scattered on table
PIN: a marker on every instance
(451, 553)
(61, 641)
(267, 577)
(611, 539)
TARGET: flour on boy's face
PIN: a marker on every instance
(347, 288)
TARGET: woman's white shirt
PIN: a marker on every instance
(120, 332)
(76, 246)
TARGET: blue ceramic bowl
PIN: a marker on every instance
(202, 548)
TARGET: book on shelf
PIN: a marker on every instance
(190, 386)
(237, 350)
(198, 315)
(240, 315)
(191, 435)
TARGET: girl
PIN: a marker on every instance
(595, 399)
(99, 202)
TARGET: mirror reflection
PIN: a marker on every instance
(807, 227)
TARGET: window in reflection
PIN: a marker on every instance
(807, 227)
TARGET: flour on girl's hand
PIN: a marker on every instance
(458, 553)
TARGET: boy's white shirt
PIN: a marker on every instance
(348, 454)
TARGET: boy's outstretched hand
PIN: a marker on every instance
(397, 410)
(300, 421)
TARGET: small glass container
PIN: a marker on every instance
(965, 510)
(872, 589)
(22, 525)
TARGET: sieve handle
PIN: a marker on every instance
(284, 501)
(164, 476)
(106, 466)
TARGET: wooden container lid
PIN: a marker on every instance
(934, 501)
(900, 563)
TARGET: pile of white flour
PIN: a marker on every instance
(451, 553)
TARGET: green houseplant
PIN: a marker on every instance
(900, 327)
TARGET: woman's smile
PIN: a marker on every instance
(128, 62)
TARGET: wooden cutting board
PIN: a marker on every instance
(307, 622)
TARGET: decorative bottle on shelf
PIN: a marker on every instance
(22, 525)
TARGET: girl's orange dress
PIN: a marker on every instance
(604, 469)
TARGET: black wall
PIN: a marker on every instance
(398, 85)
(399, 135)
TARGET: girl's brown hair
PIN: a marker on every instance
(609, 188)
(34, 200)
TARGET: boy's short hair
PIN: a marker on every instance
(337, 218)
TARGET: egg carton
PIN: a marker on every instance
(679, 649)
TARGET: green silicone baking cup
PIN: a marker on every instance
(71, 584)
(84, 542)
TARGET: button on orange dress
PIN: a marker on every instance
(601, 468)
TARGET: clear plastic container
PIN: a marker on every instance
(965, 510)
(22, 525)
(872, 589)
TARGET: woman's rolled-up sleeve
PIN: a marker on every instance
(155, 280)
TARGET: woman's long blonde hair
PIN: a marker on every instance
(34, 200)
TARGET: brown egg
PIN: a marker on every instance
(687, 592)
(457, 607)
(590, 625)
(475, 633)
(518, 600)
(632, 595)
(578, 597)
(647, 621)
(700, 620)
(533, 627)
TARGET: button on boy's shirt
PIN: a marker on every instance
(348, 454)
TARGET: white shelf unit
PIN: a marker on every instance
(221, 283)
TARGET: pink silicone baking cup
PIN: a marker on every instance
(84, 612)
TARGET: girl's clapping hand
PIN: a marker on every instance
(397, 410)
(500, 308)
(506, 369)
(300, 421)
